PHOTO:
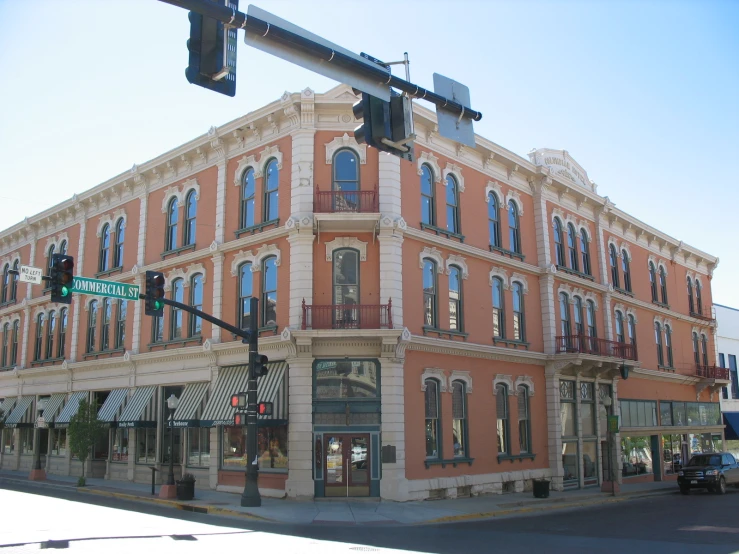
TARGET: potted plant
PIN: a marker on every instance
(186, 487)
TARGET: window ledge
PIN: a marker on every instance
(512, 457)
(111, 271)
(258, 227)
(7, 368)
(505, 252)
(624, 291)
(440, 231)
(99, 353)
(666, 368)
(510, 342)
(661, 305)
(444, 463)
(46, 361)
(441, 332)
(175, 342)
(575, 272)
(8, 303)
(177, 251)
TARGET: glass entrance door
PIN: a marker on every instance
(347, 465)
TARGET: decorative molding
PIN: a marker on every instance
(625, 247)
(494, 187)
(458, 261)
(109, 219)
(187, 275)
(180, 192)
(265, 251)
(521, 279)
(526, 381)
(345, 142)
(454, 169)
(658, 262)
(499, 272)
(433, 254)
(506, 380)
(346, 242)
(269, 153)
(56, 242)
(516, 198)
(433, 162)
(464, 376)
(434, 373)
(10, 259)
(240, 258)
(572, 292)
(612, 241)
(245, 162)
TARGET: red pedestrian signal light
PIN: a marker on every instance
(154, 293)
(240, 419)
(238, 400)
(265, 408)
(62, 276)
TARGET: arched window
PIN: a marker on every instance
(455, 299)
(514, 234)
(494, 221)
(50, 332)
(691, 306)
(704, 349)
(196, 301)
(459, 419)
(120, 327)
(172, 218)
(698, 297)
(498, 309)
(626, 269)
(559, 247)
(50, 259)
(63, 315)
(585, 252)
(429, 293)
(157, 329)
(524, 417)
(92, 321)
(269, 291)
(38, 352)
(590, 311)
(632, 331)
(104, 264)
(245, 294)
(432, 402)
(663, 284)
(619, 327)
(105, 331)
(120, 237)
(577, 312)
(502, 424)
(63, 247)
(614, 266)
(271, 192)
(191, 214)
(428, 211)
(572, 246)
(14, 282)
(696, 351)
(346, 288)
(452, 204)
(519, 319)
(175, 323)
(6, 343)
(14, 344)
(658, 340)
(248, 194)
(5, 284)
(346, 181)
(564, 315)
(668, 345)
(653, 282)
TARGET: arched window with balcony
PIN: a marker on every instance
(271, 191)
(172, 221)
(653, 282)
(429, 293)
(572, 246)
(590, 315)
(658, 341)
(494, 221)
(191, 214)
(704, 349)
(104, 264)
(577, 313)
(248, 195)
(455, 299)
(346, 295)
(519, 317)
(564, 315)
(668, 345)
(120, 237)
(613, 256)
(428, 209)
(246, 287)
(559, 247)
(498, 309)
(696, 351)
(691, 305)
(663, 284)
(196, 301)
(698, 297)
(620, 327)
(585, 253)
(345, 181)
(452, 204)
(269, 292)
(632, 331)
(625, 267)
(514, 232)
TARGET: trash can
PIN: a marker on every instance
(185, 489)
(541, 488)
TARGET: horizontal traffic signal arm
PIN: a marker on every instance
(243, 333)
(235, 18)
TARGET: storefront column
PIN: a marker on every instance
(300, 427)
(554, 430)
(616, 437)
(393, 485)
(215, 456)
(578, 430)
(132, 453)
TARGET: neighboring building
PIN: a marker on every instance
(727, 322)
(451, 326)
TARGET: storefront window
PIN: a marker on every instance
(8, 443)
(346, 379)
(167, 441)
(146, 445)
(58, 442)
(587, 410)
(636, 453)
(690, 413)
(589, 459)
(272, 447)
(27, 441)
(234, 448)
(704, 442)
(665, 414)
(637, 413)
(198, 445)
(569, 462)
(102, 447)
(567, 408)
(120, 445)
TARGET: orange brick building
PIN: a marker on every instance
(456, 325)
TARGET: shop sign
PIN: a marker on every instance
(613, 424)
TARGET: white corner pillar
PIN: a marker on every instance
(554, 431)
(301, 269)
(394, 484)
(389, 185)
(543, 254)
(217, 260)
(548, 311)
(391, 265)
(300, 429)
(220, 229)
(601, 246)
(137, 319)
(607, 316)
(302, 185)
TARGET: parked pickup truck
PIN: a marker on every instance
(711, 471)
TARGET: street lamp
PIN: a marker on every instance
(172, 403)
(40, 406)
(608, 402)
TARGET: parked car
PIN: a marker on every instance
(712, 471)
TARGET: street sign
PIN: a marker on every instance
(98, 287)
(41, 423)
(613, 424)
(451, 125)
(29, 274)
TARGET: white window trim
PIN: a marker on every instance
(346, 242)
(265, 251)
(513, 195)
(456, 171)
(521, 279)
(494, 187)
(433, 162)
(111, 219)
(459, 262)
(431, 254)
(180, 192)
(526, 381)
(506, 380)
(463, 376)
(434, 373)
(186, 275)
(345, 142)
(499, 272)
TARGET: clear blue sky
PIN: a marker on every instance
(644, 95)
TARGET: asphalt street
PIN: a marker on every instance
(33, 516)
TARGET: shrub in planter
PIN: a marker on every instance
(186, 487)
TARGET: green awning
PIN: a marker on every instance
(70, 409)
(22, 415)
(111, 408)
(53, 406)
(132, 416)
(187, 413)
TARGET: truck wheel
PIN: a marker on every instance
(685, 490)
(721, 487)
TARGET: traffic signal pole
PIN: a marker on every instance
(251, 497)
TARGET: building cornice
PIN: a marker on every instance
(474, 350)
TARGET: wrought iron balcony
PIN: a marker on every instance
(583, 344)
(711, 372)
(348, 316)
(346, 201)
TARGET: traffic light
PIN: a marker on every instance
(265, 408)
(386, 126)
(154, 293)
(240, 419)
(260, 365)
(239, 400)
(62, 275)
(212, 48)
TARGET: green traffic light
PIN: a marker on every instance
(158, 305)
(65, 291)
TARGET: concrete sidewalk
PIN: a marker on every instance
(355, 511)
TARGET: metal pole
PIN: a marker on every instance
(610, 464)
(37, 463)
(170, 476)
(250, 497)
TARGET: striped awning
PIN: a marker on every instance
(53, 405)
(232, 380)
(70, 409)
(132, 416)
(21, 415)
(111, 408)
(7, 406)
(191, 402)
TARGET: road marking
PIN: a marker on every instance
(711, 529)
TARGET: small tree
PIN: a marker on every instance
(84, 429)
